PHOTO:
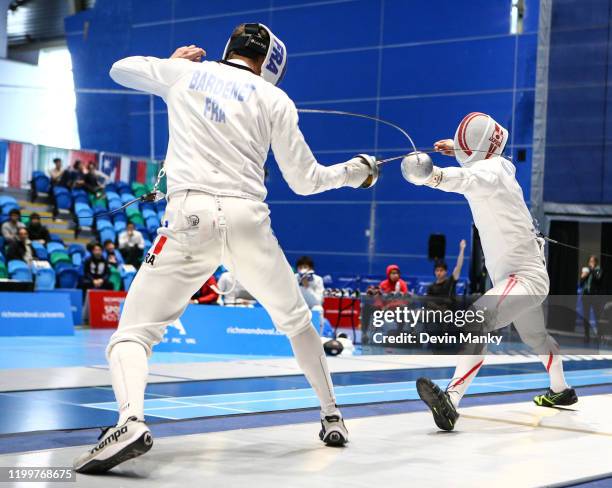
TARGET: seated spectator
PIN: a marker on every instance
(36, 230)
(233, 292)
(311, 287)
(12, 225)
(208, 294)
(445, 285)
(131, 245)
(90, 180)
(73, 177)
(21, 248)
(311, 284)
(112, 255)
(56, 172)
(96, 270)
(393, 283)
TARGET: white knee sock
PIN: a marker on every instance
(129, 372)
(311, 358)
(466, 370)
(554, 365)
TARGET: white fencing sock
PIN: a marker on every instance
(129, 371)
(554, 365)
(466, 370)
(310, 356)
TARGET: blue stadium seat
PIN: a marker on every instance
(19, 270)
(4, 199)
(63, 199)
(152, 224)
(148, 212)
(107, 234)
(84, 214)
(123, 187)
(41, 182)
(111, 187)
(67, 278)
(56, 238)
(54, 246)
(103, 223)
(45, 279)
(76, 249)
(127, 274)
(126, 197)
(119, 226)
(40, 250)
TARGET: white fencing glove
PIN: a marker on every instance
(418, 169)
(361, 171)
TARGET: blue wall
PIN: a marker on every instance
(423, 65)
(579, 123)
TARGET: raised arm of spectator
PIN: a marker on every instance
(459, 265)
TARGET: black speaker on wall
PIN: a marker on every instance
(436, 248)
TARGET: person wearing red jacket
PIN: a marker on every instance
(393, 283)
(209, 293)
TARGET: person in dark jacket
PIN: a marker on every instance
(96, 270)
(591, 282)
(37, 231)
(21, 248)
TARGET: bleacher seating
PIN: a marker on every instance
(67, 277)
(40, 182)
(63, 198)
(44, 276)
(19, 270)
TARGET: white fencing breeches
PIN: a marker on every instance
(201, 232)
(516, 299)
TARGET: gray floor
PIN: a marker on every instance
(509, 445)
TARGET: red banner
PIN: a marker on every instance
(104, 308)
(343, 312)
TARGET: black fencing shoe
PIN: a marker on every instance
(116, 445)
(333, 431)
(551, 399)
(444, 412)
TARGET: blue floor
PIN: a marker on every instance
(77, 408)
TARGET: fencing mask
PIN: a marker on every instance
(252, 44)
(479, 137)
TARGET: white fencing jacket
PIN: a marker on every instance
(506, 228)
(222, 121)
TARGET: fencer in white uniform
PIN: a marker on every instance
(223, 118)
(514, 255)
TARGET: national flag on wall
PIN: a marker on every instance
(3, 160)
(124, 174)
(110, 165)
(47, 154)
(21, 162)
(138, 171)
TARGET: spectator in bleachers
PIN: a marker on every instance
(208, 294)
(12, 225)
(73, 177)
(57, 172)
(37, 231)
(311, 284)
(90, 180)
(131, 245)
(21, 248)
(445, 286)
(112, 255)
(393, 283)
(96, 270)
